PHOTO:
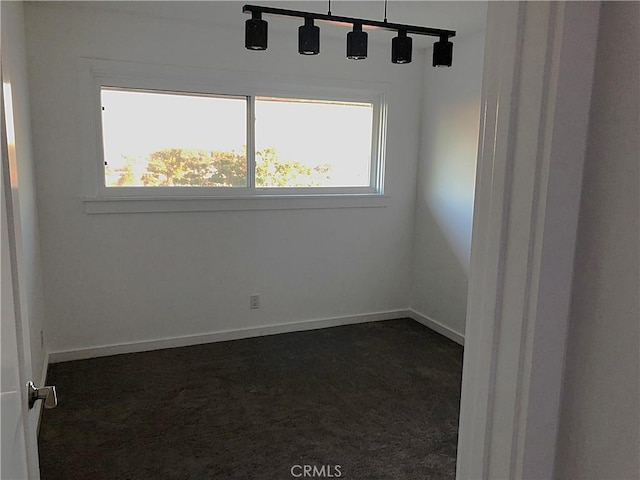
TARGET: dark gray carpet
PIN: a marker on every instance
(381, 400)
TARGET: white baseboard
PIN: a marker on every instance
(147, 345)
(436, 326)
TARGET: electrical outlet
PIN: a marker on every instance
(254, 302)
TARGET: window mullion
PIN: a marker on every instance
(251, 141)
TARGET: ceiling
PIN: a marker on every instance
(464, 17)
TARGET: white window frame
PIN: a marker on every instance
(98, 198)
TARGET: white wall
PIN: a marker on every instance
(14, 65)
(600, 418)
(120, 278)
(446, 179)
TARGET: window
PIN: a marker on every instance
(154, 139)
(166, 139)
(318, 143)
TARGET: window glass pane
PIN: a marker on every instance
(308, 143)
(170, 139)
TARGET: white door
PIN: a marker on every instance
(14, 449)
(19, 453)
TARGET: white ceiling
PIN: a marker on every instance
(464, 17)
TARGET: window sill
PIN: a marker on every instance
(105, 205)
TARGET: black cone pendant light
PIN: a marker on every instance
(442, 53)
(308, 38)
(357, 43)
(401, 47)
(255, 32)
(357, 39)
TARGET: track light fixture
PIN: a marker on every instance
(255, 32)
(442, 52)
(309, 34)
(308, 38)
